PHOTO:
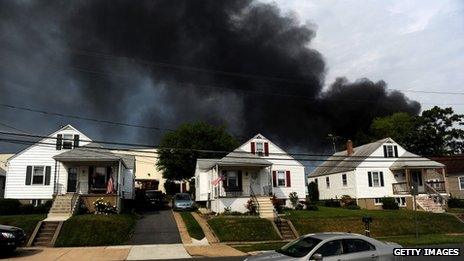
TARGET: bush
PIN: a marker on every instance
(251, 206)
(310, 205)
(347, 201)
(353, 207)
(313, 191)
(299, 206)
(455, 202)
(293, 199)
(103, 207)
(26, 209)
(9, 207)
(332, 203)
(278, 204)
(44, 208)
(389, 203)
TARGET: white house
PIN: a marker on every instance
(3, 158)
(257, 169)
(380, 169)
(68, 162)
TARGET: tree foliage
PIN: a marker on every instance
(437, 131)
(178, 149)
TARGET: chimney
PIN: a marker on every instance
(349, 148)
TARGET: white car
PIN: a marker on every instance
(331, 247)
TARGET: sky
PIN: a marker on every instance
(412, 45)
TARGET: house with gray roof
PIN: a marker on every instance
(256, 170)
(381, 169)
(67, 167)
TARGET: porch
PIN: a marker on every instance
(244, 181)
(424, 180)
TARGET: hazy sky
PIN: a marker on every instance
(412, 45)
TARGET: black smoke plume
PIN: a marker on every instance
(161, 63)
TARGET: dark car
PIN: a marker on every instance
(182, 201)
(11, 237)
(154, 198)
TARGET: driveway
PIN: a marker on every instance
(156, 227)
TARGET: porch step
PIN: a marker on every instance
(45, 234)
(285, 230)
(427, 204)
(266, 208)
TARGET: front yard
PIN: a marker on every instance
(193, 228)
(96, 230)
(234, 229)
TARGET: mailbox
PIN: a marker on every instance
(367, 224)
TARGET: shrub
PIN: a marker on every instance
(455, 202)
(251, 206)
(313, 191)
(293, 199)
(26, 209)
(332, 203)
(353, 207)
(389, 203)
(310, 205)
(227, 211)
(44, 208)
(9, 206)
(346, 200)
(299, 206)
(103, 207)
(278, 204)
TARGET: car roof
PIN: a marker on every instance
(330, 235)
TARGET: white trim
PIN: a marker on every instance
(285, 178)
(459, 182)
(376, 203)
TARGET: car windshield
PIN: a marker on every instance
(182, 197)
(299, 247)
(152, 194)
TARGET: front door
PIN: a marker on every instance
(72, 179)
(255, 183)
(416, 177)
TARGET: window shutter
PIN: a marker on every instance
(239, 179)
(266, 149)
(369, 178)
(381, 179)
(76, 141)
(59, 141)
(385, 151)
(274, 178)
(252, 144)
(48, 171)
(396, 151)
(289, 184)
(28, 175)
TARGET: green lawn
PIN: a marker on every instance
(260, 246)
(430, 239)
(96, 230)
(26, 222)
(243, 229)
(385, 222)
(192, 225)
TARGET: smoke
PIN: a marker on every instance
(161, 63)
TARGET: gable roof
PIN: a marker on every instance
(66, 127)
(411, 160)
(95, 154)
(454, 163)
(341, 162)
(236, 157)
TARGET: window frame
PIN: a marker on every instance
(401, 201)
(459, 182)
(33, 175)
(69, 141)
(259, 151)
(345, 242)
(344, 180)
(317, 251)
(278, 173)
(327, 182)
(380, 203)
(387, 149)
(229, 175)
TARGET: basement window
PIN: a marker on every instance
(401, 201)
(344, 180)
(378, 201)
(461, 182)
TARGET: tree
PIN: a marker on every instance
(434, 132)
(178, 150)
(313, 192)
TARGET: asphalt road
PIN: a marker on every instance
(156, 227)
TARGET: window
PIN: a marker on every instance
(378, 201)
(99, 178)
(259, 148)
(375, 178)
(461, 183)
(38, 175)
(232, 180)
(331, 248)
(356, 245)
(36, 202)
(390, 151)
(327, 182)
(67, 141)
(281, 178)
(344, 180)
(401, 201)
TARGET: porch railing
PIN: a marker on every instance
(435, 195)
(401, 188)
(255, 199)
(75, 197)
(439, 186)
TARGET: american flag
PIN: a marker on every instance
(216, 181)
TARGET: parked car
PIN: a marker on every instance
(11, 237)
(182, 201)
(154, 198)
(331, 246)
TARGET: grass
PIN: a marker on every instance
(430, 239)
(26, 222)
(96, 230)
(456, 210)
(243, 229)
(192, 225)
(384, 222)
(260, 246)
